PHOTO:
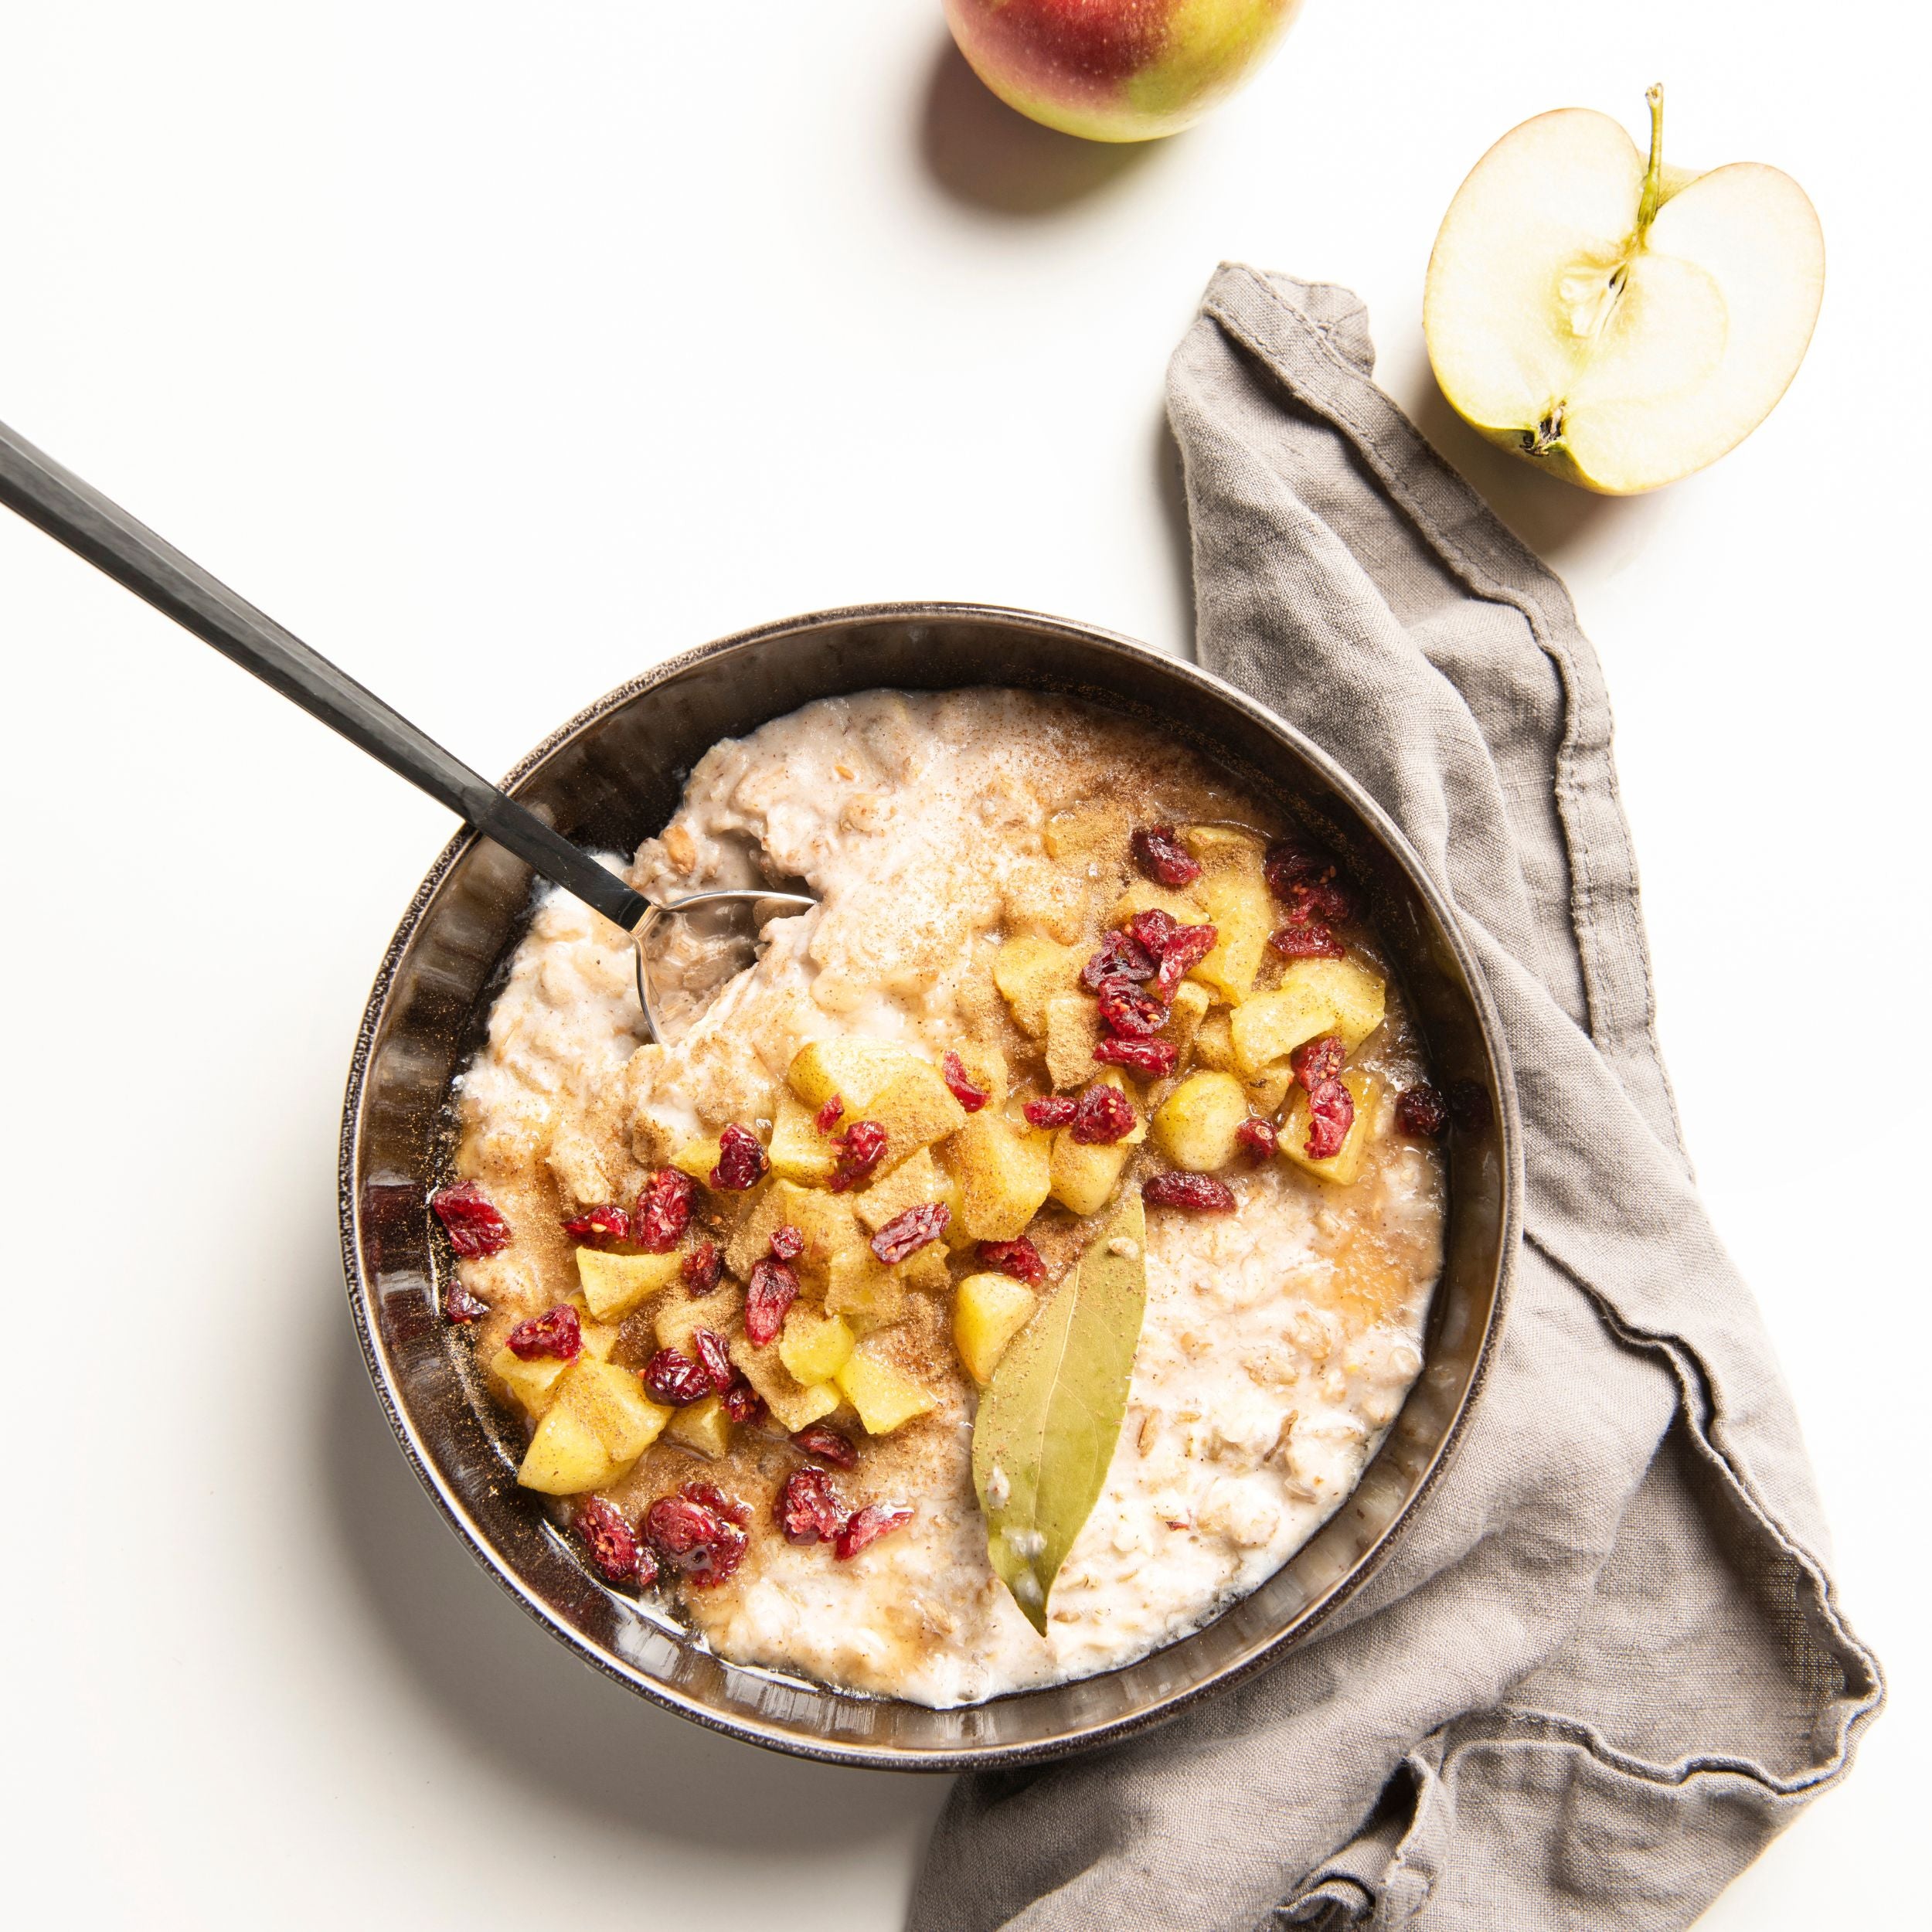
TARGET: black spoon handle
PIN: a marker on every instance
(73, 513)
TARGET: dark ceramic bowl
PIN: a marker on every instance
(611, 778)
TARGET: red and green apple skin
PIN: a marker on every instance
(1117, 69)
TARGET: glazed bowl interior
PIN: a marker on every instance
(611, 777)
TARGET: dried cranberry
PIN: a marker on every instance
(1122, 956)
(1469, 1106)
(598, 1227)
(742, 1162)
(1327, 902)
(1201, 1193)
(1020, 1258)
(1307, 942)
(664, 1210)
(1103, 1115)
(702, 1545)
(787, 1243)
(1152, 930)
(613, 1543)
(1317, 1060)
(715, 1499)
(1421, 1112)
(770, 1293)
(1155, 1058)
(1331, 1114)
(821, 1440)
(874, 1520)
(907, 1233)
(808, 1508)
(829, 1115)
(702, 1267)
(1126, 1010)
(1255, 1136)
(556, 1334)
(1185, 951)
(675, 1379)
(473, 1224)
(863, 1147)
(460, 1307)
(1052, 1110)
(1289, 864)
(709, 1346)
(953, 1068)
(743, 1402)
(1161, 856)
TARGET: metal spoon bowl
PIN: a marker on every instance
(763, 905)
(75, 514)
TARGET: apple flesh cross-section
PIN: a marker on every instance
(1618, 321)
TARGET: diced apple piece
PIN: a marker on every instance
(799, 1152)
(1029, 971)
(947, 1193)
(1043, 899)
(1188, 907)
(793, 1405)
(1004, 1171)
(1242, 913)
(813, 1346)
(1345, 1167)
(1083, 1177)
(534, 1383)
(598, 1421)
(988, 1311)
(927, 1269)
(1190, 1008)
(678, 1317)
(852, 1068)
(612, 1402)
(914, 1180)
(566, 1457)
(1220, 847)
(825, 1220)
(704, 1427)
(885, 1397)
(916, 1107)
(1270, 1088)
(1316, 998)
(1358, 995)
(1214, 1039)
(616, 1284)
(861, 1285)
(1196, 1126)
(697, 1158)
(986, 1068)
(1072, 1032)
(1085, 835)
(1112, 1076)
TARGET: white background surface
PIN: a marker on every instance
(500, 350)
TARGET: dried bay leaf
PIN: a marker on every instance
(1050, 1416)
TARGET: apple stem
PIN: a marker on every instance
(1654, 175)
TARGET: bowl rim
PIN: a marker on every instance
(1078, 1737)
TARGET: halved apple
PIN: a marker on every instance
(1617, 322)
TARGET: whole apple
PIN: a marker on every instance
(1117, 69)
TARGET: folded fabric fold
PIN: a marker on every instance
(1605, 1663)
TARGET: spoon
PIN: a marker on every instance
(74, 513)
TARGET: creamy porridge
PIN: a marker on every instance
(1083, 1103)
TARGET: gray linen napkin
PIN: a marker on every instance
(1605, 1664)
